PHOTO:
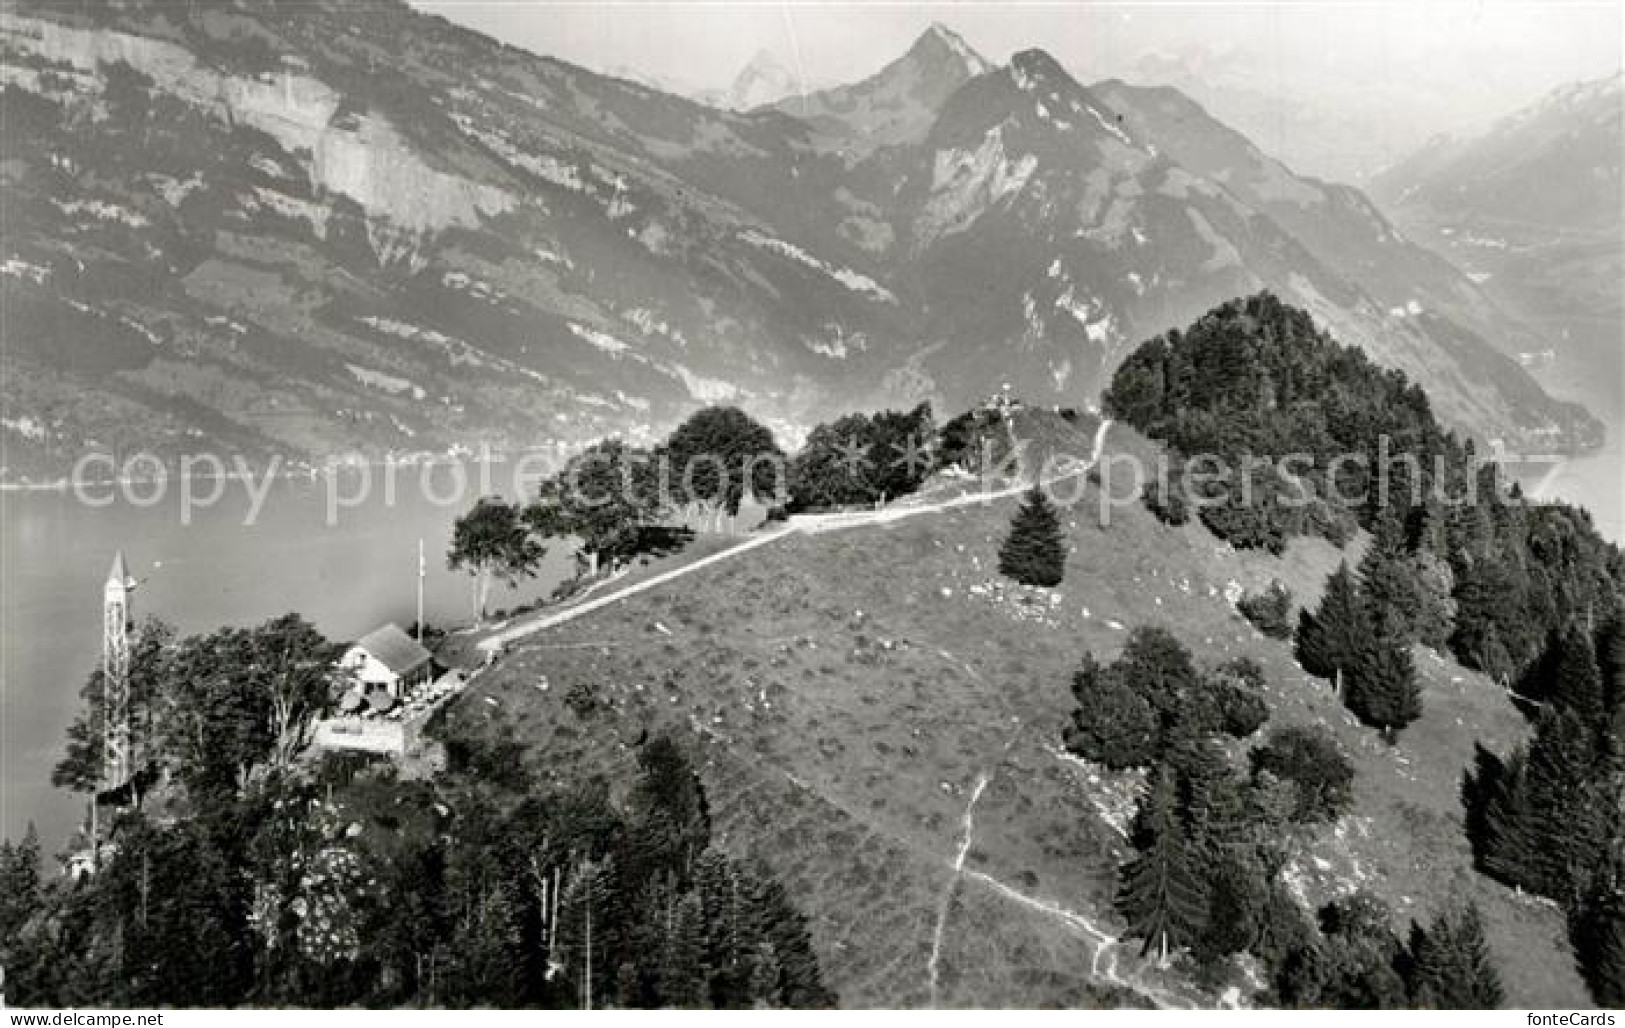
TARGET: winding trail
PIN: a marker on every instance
(1103, 964)
(808, 524)
(967, 823)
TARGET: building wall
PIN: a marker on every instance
(370, 671)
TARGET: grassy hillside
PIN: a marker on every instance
(879, 721)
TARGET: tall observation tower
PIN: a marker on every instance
(117, 741)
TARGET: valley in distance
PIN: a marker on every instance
(958, 536)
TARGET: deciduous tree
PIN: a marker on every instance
(492, 541)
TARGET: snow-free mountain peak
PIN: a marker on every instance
(898, 103)
(941, 37)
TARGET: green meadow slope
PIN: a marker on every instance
(878, 720)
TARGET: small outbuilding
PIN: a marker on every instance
(390, 659)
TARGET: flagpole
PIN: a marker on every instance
(420, 592)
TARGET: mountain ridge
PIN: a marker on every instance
(265, 233)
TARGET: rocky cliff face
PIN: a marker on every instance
(334, 228)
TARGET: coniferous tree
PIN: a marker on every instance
(1450, 966)
(1354, 965)
(1576, 681)
(1034, 553)
(1388, 587)
(1488, 597)
(1161, 891)
(1508, 837)
(1330, 639)
(1542, 820)
(19, 882)
(1611, 657)
(1382, 690)
(682, 958)
(765, 973)
(1597, 931)
(1572, 802)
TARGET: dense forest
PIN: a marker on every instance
(1254, 382)
(1527, 593)
(256, 872)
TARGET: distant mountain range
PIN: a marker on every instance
(327, 228)
(1552, 165)
(763, 81)
(1532, 209)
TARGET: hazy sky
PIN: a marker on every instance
(1411, 69)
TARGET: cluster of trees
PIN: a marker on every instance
(209, 713)
(1254, 378)
(612, 498)
(1549, 817)
(864, 459)
(1138, 708)
(1034, 552)
(1356, 961)
(1211, 840)
(1458, 561)
(337, 884)
(1521, 572)
(1468, 564)
(1360, 638)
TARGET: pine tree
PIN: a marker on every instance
(1330, 639)
(1034, 553)
(19, 882)
(682, 959)
(1576, 681)
(1382, 690)
(1611, 655)
(1570, 806)
(1388, 587)
(764, 977)
(1508, 842)
(1161, 891)
(1451, 967)
(1597, 932)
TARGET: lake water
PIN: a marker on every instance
(1593, 374)
(1595, 482)
(347, 577)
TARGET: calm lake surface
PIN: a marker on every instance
(346, 577)
(1594, 375)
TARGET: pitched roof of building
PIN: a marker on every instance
(393, 648)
